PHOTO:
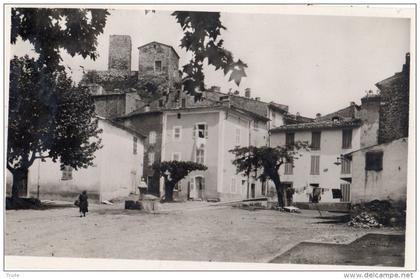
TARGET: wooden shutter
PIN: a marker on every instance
(314, 165)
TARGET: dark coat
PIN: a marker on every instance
(83, 203)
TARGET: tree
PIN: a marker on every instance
(50, 30)
(48, 118)
(202, 39)
(264, 162)
(173, 172)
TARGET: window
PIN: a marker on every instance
(158, 66)
(183, 102)
(67, 173)
(288, 167)
(151, 157)
(152, 137)
(345, 192)
(316, 141)
(238, 136)
(374, 160)
(200, 131)
(345, 166)
(347, 135)
(290, 140)
(315, 165)
(233, 185)
(176, 156)
(177, 133)
(199, 156)
(134, 145)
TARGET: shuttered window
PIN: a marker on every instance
(67, 173)
(347, 136)
(315, 165)
(290, 140)
(345, 192)
(345, 166)
(316, 141)
(200, 131)
(288, 167)
(134, 145)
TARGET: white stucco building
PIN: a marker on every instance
(116, 172)
(205, 135)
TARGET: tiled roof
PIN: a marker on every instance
(154, 42)
(328, 124)
(347, 112)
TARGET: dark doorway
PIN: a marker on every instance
(252, 190)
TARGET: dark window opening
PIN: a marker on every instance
(183, 102)
(347, 137)
(158, 66)
(290, 140)
(374, 161)
(160, 103)
(316, 141)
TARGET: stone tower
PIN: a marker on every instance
(119, 53)
(157, 59)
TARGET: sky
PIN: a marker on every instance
(313, 64)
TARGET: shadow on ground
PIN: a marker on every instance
(369, 250)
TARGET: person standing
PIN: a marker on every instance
(83, 204)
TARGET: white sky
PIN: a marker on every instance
(310, 63)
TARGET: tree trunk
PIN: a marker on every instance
(281, 197)
(18, 180)
(169, 190)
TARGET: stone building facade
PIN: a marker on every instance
(394, 109)
(119, 53)
(157, 59)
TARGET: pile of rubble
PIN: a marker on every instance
(364, 220)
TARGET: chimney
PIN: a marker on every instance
(248, 92)
(297, 114)
(318, 115)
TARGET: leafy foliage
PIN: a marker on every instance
(264, 162)
(49, 30)
(202, 32)
(48, 118)
(174, 171)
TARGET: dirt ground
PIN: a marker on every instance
(191, 231)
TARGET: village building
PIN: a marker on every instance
(115, 173)
(380, 168)
(356, 154)
(205, 135)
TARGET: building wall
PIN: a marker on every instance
(108, 178)
(145, 123)
(150, 53)
(187, 147)
(235, 186)
(394, 108)
(119, 53)
(276, 119)
(329, 173)
(390, 183)
(110, 106)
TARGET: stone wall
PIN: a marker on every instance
(150, 53)
(119, 53)
(394, 109)
(110, 106)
